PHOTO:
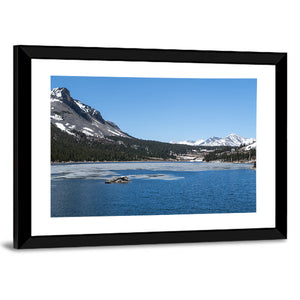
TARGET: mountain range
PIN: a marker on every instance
(75, 118)
(232, 140)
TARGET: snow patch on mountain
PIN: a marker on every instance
(251, 146)
(63, 128)
(56, 117)
(86, 132)
(89, 129)
(55, 100)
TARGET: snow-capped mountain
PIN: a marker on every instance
(213, 141)
(232, 140)
(71, 116)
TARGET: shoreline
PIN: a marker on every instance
(111, 161)
(157, 160)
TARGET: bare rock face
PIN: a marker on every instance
(122, 179)
(74, 117)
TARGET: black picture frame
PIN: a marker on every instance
(23, 56)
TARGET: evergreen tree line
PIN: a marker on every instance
(231, 156)
(65, 147)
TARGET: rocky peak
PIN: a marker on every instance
(69, 114)
(60, 94)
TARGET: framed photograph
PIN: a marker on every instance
(143, 146)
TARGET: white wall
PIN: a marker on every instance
(247, 270)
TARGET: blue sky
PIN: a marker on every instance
(166, 109)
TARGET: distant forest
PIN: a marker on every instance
(65, 147)
(231, 156)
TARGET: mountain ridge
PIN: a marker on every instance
(74, 117)
(80, 133)
(232, 140)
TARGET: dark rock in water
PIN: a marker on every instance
(122, 179)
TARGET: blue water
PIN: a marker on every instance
(155, 189)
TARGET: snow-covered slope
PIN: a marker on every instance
(251, 146)
(232, 140)
(71, 115)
